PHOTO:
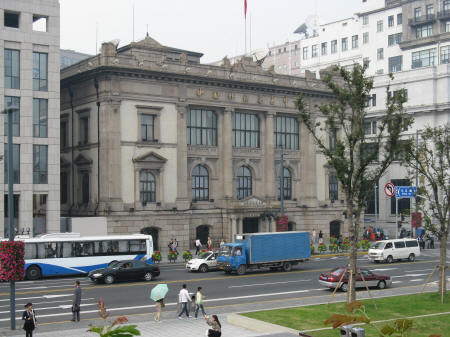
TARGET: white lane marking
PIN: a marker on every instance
(31, 288)
(408, 275)
(32, 298)
(263, 284)
(397, 282)
(383, 269)
(416, 280)
(36, 304)
(67, 306)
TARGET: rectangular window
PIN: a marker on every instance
(40, 114)
(366, 61)
(16, 198)
(354, 41)
(373, 201)
(390, 21)
(395, 64)
(40, 72)
(333, 187)
(369, 151)
(305, 53)
(429, 10)
(379, 26)
(344, 44)
(286, 132)
(366, 38)
(365, 19)
(40, 226)
(12, 101)
(394, 39)
(399, 19)
(371, 100)
(404, 204)
(40, 159)
(147, 128)
(16, 163)
(380, 53)
(85, 186)
(447, 26)
(332, 137)
(314, 51)
(84, 130)
(334, 47)
(445, 55)
(324, 47)
(11, 19)
(424, 31)
(12, 69)
(370, 127)
(417, 12)
(40, 23)
(64, 127)
(245, 130)
(446, 5)
(201, 127)
(64, 187)
(424, 58)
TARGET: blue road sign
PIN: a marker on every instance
(405, 191)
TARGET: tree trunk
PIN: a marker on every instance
(351, 296)
(442, 266)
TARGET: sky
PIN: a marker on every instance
(215, 28)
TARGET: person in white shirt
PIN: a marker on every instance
(184, 299)
(198, 246)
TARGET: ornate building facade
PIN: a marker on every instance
(159, 143)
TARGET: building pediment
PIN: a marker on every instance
(81, 160)
(148, 44)
(150, 160)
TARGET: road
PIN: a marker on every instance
(52, 297)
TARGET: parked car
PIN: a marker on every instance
(398, 249)
(205, 262)
(126, 270)
(331, 279)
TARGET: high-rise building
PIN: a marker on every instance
(29, 71)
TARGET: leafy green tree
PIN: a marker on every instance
(430, 158)
(358, 160)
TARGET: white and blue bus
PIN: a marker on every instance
(70, 253)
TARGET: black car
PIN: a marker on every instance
(126, 270)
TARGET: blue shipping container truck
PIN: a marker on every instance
(264, 250)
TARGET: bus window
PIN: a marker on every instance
(99, 248)
(123, 247)
(87, 248)
(137, 247)
(41, 251)
(113, 247)
(30, 251)
(67, 249)
(50, 250)
(59, 249)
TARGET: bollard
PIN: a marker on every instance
(346, 330)
(358, 332)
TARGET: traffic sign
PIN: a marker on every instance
(405, 191)
(389, 189)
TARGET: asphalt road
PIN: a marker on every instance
(52, 297)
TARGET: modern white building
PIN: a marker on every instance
(29, 72)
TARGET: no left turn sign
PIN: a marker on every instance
(389, 189)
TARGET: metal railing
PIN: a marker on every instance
(422, 19)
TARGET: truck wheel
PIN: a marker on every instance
(241, 270)
(287, 266)
(203, 268)
(33, 273)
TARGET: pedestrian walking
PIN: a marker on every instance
(29, 316)
(199, 302)
(198, 246)
(216, 327)
(159, 306)
(313, 236)
(222, 242)
(76, 302)
(320, 237)
(175, 246)
(184, 299)
(209, 243)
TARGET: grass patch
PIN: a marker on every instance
(313, 317)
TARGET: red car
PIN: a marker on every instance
(331, 279)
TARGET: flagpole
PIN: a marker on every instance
(250, 32)
(245, 35)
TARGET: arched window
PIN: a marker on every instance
(147, 187)
(244, 182)
(200, 183)
(287, 185)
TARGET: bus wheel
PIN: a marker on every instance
(34, 273)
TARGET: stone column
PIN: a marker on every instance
(233, 227)
(182, 196)
(308, 172)
(227, 153)
(273, 225)
(269, 157)
(240, 226)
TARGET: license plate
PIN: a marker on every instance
(325, 278)
(220, 267)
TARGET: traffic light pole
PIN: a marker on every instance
(396, 217)
(282, 182)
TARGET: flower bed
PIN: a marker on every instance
(187, 255)
(282, 223)
(322, 247)
(12, 261)
(172, 256)
(156, 256)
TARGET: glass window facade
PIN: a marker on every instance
(147, 128)
(424, 58)
(286, 132)
(395, 64)
(333, 187)
(16, 163)
(40, 115)
(424, 31)
(147, 187)
(12, 101)
(394, 39)
(371, 203)
(40, 159)
(201, 127)
(200, 183)
(287, 185)
(12, 69)
(40, 71)
(245, 130)
(244, 182)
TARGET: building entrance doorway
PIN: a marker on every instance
(250, 225)
(202, 233)
(335, 228)
(154, 232)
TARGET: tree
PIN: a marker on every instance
(430, 158)
(357, 160)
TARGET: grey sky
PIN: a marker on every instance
(213, 27)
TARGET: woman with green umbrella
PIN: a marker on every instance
(157, 294)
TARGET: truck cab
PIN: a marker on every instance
(231, 256)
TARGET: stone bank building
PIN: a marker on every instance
(161, 144)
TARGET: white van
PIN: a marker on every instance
(398, 249)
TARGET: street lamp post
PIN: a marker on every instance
(282, 182)
(12, 299)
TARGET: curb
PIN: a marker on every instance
(257, 325)
(315, 256)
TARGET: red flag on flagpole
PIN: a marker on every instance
(245, 9)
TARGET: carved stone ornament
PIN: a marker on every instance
(245, 98)
(260, 100)
(230, 96)
(215, 95)
(272, 100)
(183, 58)
(200, 92)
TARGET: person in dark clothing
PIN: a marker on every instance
(320, 236)
(215, 325)
(29, 316)
(76, 302)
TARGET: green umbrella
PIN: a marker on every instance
(159, 292)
